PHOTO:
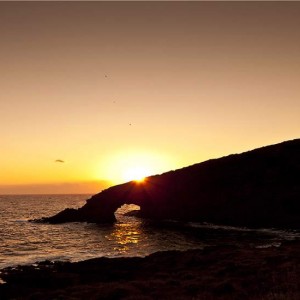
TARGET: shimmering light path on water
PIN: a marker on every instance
(26, 242)
(23, 242)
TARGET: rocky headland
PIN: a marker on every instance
(219, 272)
(255, 188)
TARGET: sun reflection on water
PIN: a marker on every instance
(125, 234)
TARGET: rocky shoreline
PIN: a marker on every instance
(217, 272)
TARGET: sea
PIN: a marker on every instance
(23, 242)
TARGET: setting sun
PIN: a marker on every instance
(133, 164)
(136, 173)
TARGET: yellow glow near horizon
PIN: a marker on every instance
(133, 165)
(137, 174)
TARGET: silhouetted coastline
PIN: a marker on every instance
(219, 272)
(258, 188)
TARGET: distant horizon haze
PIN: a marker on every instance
(92, 187)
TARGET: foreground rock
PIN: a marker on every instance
(256, 188)
(220, 272)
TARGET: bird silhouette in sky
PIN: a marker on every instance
(60, 161)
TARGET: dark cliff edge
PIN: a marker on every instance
(258, 188)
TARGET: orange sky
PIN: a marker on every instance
(105, 86)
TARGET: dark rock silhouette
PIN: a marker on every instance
(218, 272)
(256, 188)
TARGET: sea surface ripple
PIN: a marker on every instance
(23, 242)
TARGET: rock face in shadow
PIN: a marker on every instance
(256, 188)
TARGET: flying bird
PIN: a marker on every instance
(59, 161)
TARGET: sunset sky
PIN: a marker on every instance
(91, 91)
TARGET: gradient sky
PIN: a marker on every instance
(106, 86)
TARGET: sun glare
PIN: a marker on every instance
(137, 174)
(133, 165)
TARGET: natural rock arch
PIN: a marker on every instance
(256, 188)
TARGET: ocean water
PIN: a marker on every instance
(23, 242)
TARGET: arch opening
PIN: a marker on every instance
(127, 210)
(127, 229)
